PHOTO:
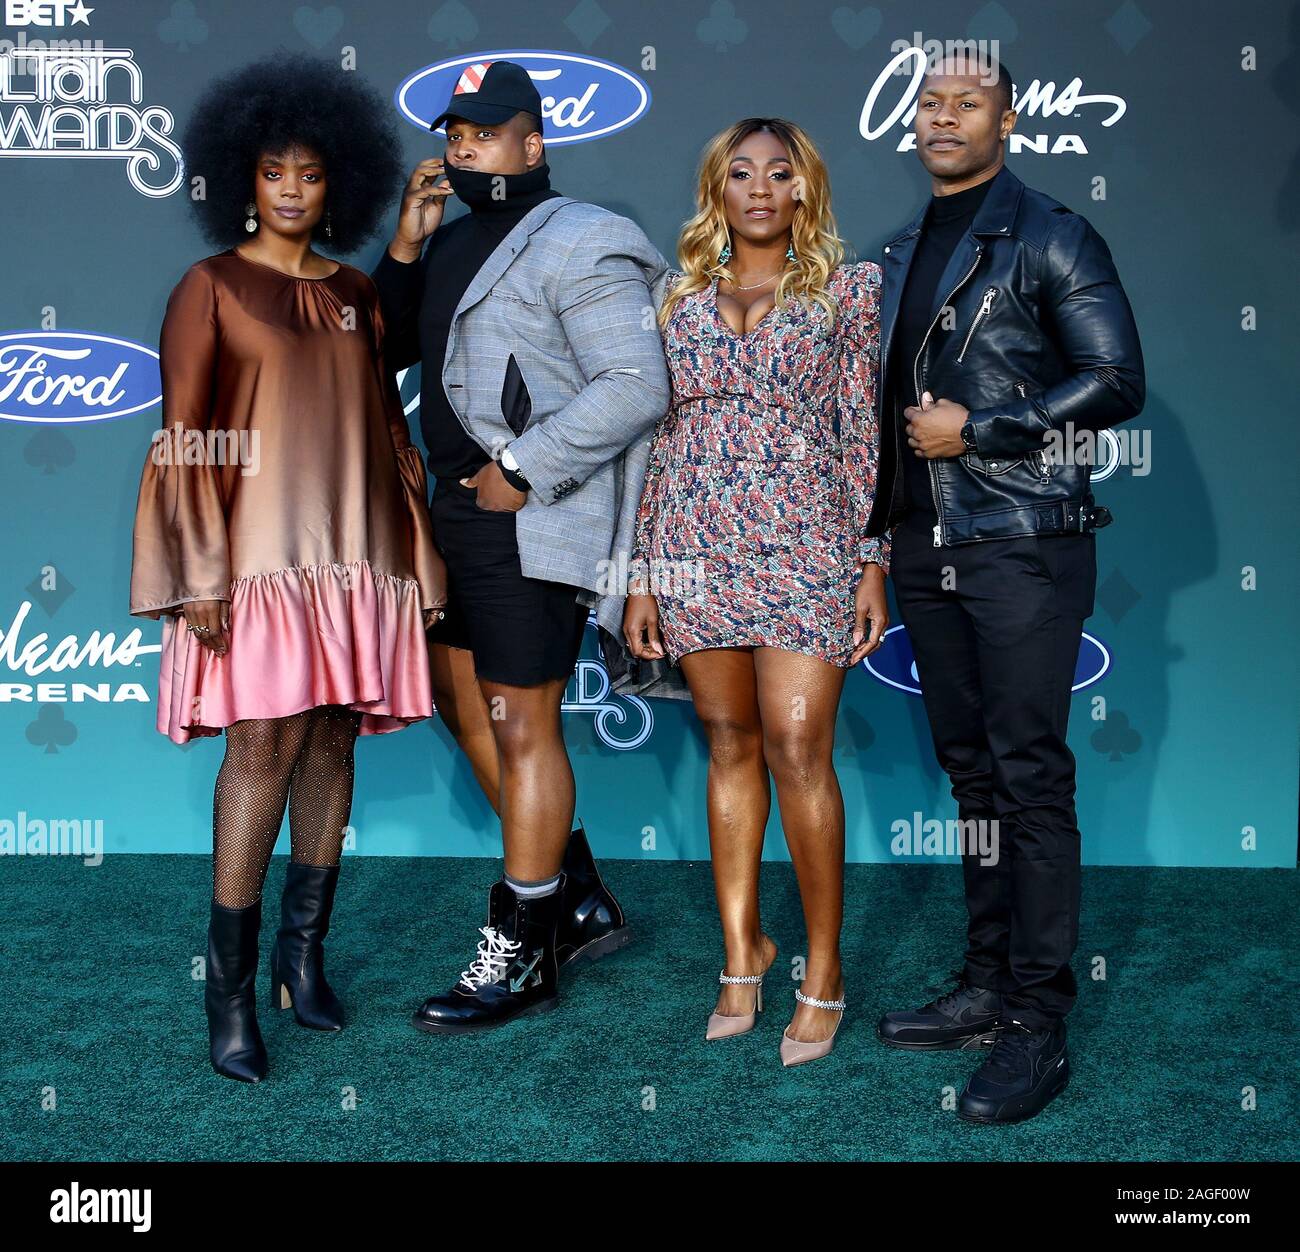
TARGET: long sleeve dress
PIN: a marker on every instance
(761, 475)
(283, 481)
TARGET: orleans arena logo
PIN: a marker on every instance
(582, 97)
(65, 671)
(891, 102)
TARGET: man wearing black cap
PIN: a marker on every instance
(543, 374)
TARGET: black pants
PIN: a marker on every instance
(995, 630)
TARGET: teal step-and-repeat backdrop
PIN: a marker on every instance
(1171, 125)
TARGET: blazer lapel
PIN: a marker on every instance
(502, 257)
(489, 273)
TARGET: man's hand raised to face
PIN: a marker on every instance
(423, 201)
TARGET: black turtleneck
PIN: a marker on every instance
(947, 219)
(419, 298)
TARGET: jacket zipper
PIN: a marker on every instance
(990, 294)
(916, 382)
(1044, 467)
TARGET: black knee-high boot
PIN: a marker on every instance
(234, 1040)
(298, 958)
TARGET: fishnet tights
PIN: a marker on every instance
(304, 761)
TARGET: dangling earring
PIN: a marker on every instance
(796, 194)
(725, 255)
(251, 209)
(328, 232)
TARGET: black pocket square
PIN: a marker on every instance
(516, 404)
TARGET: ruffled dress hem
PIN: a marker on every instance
(300, 638)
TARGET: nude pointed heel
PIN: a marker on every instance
(794, 1052)
(722, 1026)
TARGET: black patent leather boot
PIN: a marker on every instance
(514, 972)
(298, 958)
(234, 1041)
(592, 924)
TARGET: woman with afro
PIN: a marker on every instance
(281, 531)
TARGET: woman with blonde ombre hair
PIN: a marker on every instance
(751, 566)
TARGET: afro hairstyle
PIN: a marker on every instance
(291, 100)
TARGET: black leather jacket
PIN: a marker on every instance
(1043, 336)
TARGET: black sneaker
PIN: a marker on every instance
(591, 922)
(967, 1017)
(513, 973)
(1024, 1073)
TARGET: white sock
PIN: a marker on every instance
(531, 890)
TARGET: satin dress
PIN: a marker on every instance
(762, 473)
(284, 481)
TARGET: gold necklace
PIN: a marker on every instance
(768, 279)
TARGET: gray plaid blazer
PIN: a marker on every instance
(571, 294)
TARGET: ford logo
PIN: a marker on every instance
(582, 98)
(1109, 458)
(893, 664)
(64, 376)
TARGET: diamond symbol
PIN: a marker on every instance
(1128, 26)
(1117, 595)
(50, 598)
(588, 22)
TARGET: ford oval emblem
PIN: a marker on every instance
(894, 665)
(582, 97)
(60, 377)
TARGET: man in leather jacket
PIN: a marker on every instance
(1007, 343)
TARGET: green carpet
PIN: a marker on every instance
(1199, 1002)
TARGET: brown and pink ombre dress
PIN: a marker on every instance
(284, 480)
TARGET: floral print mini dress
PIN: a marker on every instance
(752, 521)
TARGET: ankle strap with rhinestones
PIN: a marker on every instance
(819, 1004)
(740, 980)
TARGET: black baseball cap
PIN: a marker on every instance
(504, 90)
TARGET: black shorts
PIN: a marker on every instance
(522, 631)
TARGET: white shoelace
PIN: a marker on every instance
(495, 953)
